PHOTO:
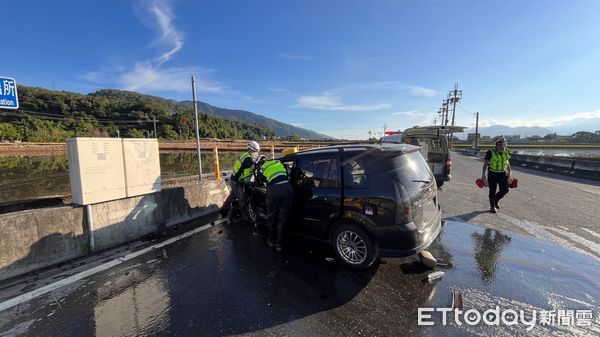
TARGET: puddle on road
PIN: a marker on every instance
(513, 271)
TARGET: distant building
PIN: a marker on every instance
(535, 139)
(471, 137)
(486, 139)
(513, 138)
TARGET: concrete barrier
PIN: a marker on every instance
(30, 240)
(38, 238)
(587, 168)
(583, 168)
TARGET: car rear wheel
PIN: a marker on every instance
(354, 247)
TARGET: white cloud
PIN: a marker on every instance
(278, 89)
(296, 57)
(333, 103)
(412, 113)
(94, 76)
(151, 75)
(169, 37)
(546, 122)
(420, 91)
(144, 76)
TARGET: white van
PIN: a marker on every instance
(434, 147)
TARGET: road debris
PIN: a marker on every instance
(427, 259)
(436, 275)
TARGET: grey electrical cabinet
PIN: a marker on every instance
(142, 166)
(96, 169)
(104, 169)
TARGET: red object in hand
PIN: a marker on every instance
(513, 183)
(480, 183)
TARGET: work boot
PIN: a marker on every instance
(496, 204)
(270, 242)
(492, 205)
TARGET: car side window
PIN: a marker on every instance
(289, 165)
(354, 173)
(318, 173)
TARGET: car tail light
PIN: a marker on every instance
(449, 163)
(403, 205)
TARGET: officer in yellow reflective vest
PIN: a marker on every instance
(279, 198)
(243, 169)
(497, 165)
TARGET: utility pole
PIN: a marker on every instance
(384, 128)
(476, 130)
(154, 120)
(454, 96)
(197, 130)
(445, 112)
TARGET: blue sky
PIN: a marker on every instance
(337, 67)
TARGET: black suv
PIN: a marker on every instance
(366, 200)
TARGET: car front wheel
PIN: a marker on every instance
(354, 247)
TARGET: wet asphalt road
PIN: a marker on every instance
(227, 281)
(548, 206)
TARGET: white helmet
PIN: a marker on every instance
(253, 147)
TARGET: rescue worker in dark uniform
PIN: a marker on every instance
(243, 170)
(497, 165)
(279, 198)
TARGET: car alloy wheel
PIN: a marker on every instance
(351, 247)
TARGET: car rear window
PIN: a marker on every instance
(354, 172)
(412, 170)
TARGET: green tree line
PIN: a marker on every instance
(51, 116)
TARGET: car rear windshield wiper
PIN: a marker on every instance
(421, 181)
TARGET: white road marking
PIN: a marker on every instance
(53, 286)
(591, 232)
(576, 238)
(573, 300)
(544, 235)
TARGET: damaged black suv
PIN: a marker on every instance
(366, 200)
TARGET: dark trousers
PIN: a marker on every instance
(228, 205)
(279, 202)
(495, 179)
(242, 199)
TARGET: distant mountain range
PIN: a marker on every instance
(497, 130)
(281, 129)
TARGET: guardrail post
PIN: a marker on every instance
(217, 169)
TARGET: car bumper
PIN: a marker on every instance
(407, 239)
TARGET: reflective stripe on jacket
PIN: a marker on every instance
(499, 161)
(247, 173)
(272, 169)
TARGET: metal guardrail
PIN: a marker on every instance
(583, 168)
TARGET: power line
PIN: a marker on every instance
(48, 116)
(464, 110)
